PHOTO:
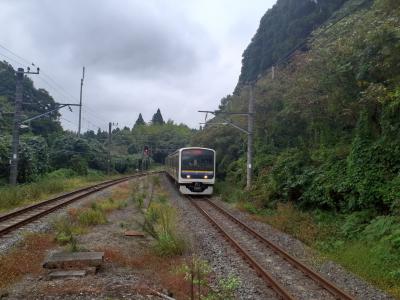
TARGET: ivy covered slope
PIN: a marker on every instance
(327, 139)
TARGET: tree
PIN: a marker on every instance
(139, 121)
(157, 118)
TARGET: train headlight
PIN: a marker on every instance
(187, 176)
(205, 177)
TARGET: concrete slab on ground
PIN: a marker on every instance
(66, 274)
(74, 260)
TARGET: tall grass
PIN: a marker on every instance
(161, 223)
(366, 245)
(56, 182)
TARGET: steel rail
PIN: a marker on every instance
(267, 277)
(84, 192)
(42, 203)
(318, 278)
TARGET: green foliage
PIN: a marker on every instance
(79, 165)
(197, 272)
(327, 131)
(92, 216)
(157, 118)
(35, 101)
(382, 227)
(284, 26)
(160, 222)
(139, 121)
(355, 223)
(161, 140)
(327, 126)
(70, 150)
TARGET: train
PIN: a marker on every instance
(193, 170)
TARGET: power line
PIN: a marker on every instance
(54, 84)
(16, 55)
(94, 125)
(94, 113)
(11, 59)
(60, 87)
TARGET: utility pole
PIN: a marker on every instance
(109, 149)
(110, 125)
(17, 122)
(250, 130)
(80, 103)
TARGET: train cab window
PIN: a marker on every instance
(198, 160)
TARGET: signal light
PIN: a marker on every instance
(146, 150)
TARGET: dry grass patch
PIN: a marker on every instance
(26, 258)
(160, 269)
(122, 191)
(288, 219)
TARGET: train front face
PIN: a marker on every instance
(197, 171)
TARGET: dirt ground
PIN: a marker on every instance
(130, 270)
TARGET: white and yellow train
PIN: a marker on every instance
(193, 170)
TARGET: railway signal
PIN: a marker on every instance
(146, 151)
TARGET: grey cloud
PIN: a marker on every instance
(138, 37)
(140, 54)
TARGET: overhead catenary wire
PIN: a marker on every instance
(13, 60)
(94, 113)
(16, 55)
(21, 61)
(51, 83)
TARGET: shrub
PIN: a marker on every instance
(64, 230)
(90, 216)
(355, 223)
(169, 245)
(381, 227)
(79, 165)
(160, 222)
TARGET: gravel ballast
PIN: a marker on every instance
(209, 245)
(330, 270)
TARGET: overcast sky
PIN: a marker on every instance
(177, 55)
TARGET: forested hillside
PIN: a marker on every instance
(46, 147)
(331, 108)
(286, 25)
(327, 136)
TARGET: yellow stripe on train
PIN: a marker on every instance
(194, 171)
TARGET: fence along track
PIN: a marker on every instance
(321, 281)
(16, 219)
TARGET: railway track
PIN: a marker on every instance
(18, 218)
(286, 275)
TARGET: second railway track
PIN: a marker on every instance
(20, 217)
(290, 278)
